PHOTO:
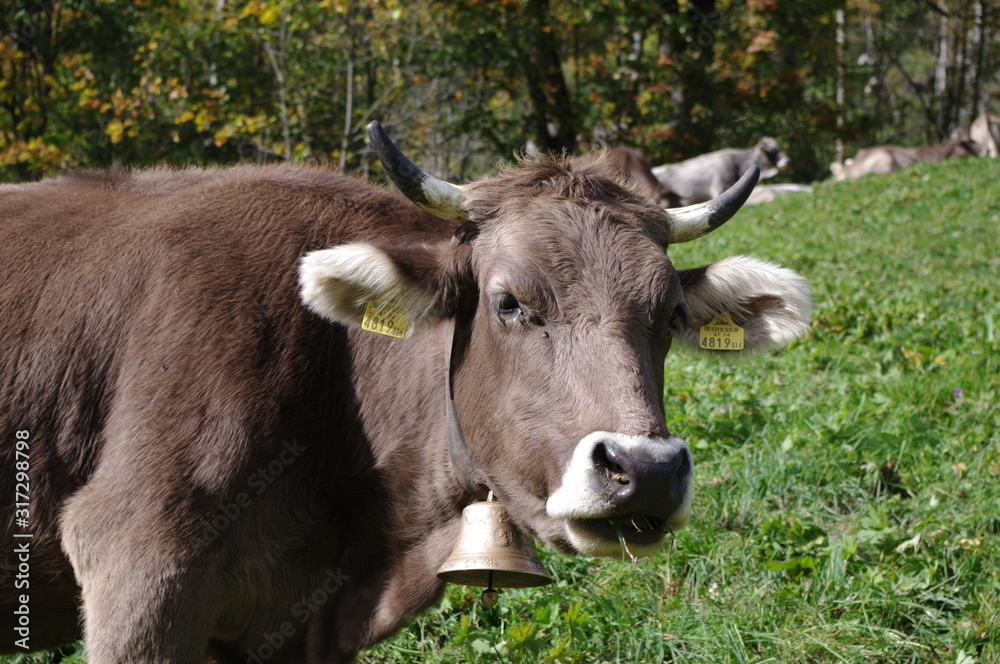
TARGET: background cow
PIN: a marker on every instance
(765, 193)
(634, 164)
(225, 464)
(703, 177)
(889, 158)
(985, 131)
(631, 164)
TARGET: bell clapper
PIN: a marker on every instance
(491, 595)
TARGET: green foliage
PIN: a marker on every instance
(461, 84)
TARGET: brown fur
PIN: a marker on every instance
(207, 454)
(160, 358)
(634, 163)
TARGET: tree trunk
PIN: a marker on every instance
(977, 43)
(554, 119)
(693, 51)
(345, 142)
(942, 54)
(841, 74)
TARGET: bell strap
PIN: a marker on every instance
(470, 477)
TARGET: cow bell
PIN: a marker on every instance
(491, 552)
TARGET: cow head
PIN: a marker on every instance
(772, 159)
(563, 305)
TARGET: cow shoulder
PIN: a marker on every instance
(771, 303)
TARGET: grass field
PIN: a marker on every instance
(847, 496)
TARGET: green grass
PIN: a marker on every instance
(847, 499)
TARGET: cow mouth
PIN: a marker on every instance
(634, 529)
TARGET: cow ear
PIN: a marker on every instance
(340, 282)
(771, 303)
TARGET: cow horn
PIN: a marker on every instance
(691, 222)
(438, 197)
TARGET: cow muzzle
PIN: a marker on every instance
(620, 493)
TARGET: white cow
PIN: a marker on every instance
(704, 177)
(985, 130)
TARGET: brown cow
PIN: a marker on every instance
(630, 164)
(223, 464)
(634, 164)
(889, 158)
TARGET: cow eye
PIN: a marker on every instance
(507, 305)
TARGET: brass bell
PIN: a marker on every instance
(492, 552)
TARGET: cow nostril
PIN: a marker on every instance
(684, 469)
(611, 470)
(599, 455)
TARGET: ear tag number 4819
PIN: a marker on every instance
(721, 333)
(385, 315)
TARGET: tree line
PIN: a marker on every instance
(462, 84)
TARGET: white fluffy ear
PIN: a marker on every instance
(339, 283)
(771, 303)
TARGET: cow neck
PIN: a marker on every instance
(470, 477)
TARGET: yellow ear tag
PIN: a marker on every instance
(721, 334)
(385, 315)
